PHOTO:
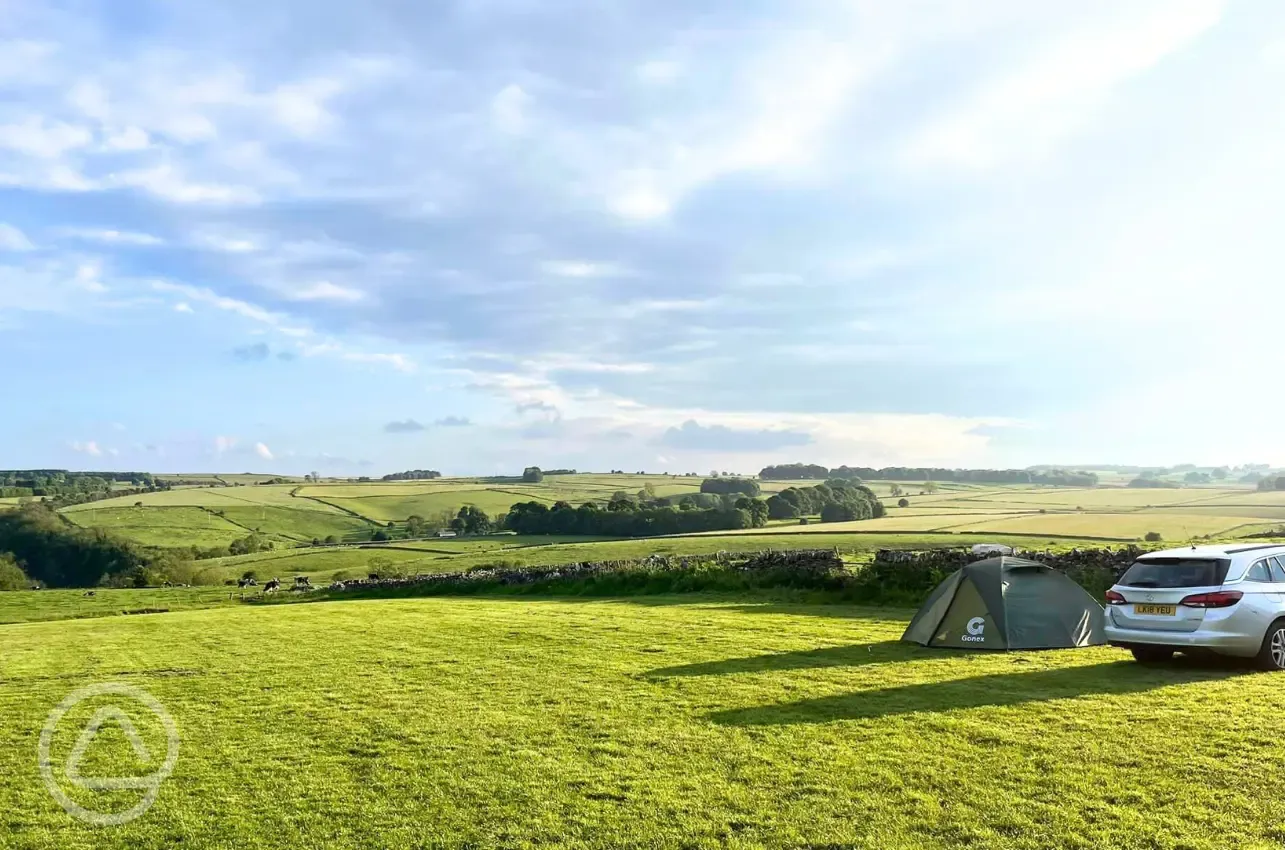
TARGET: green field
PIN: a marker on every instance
(186, 526)
(297, 513)
(696, 722)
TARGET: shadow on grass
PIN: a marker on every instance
(857, 655)
(994, 690)
(765, 601)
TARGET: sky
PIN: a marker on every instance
(476, 235)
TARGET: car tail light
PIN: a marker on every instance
(1220, 599)
(1114, 598)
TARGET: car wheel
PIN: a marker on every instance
(1151, 654)
(1272, 654)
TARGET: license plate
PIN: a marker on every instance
(1156, 610)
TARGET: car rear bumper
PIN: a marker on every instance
(1222, 642)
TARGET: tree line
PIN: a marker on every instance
(628, 516)
(742, 486)
(43, 547)
(837, 500)
(805, 471)
(413, 475)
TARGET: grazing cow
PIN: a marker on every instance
(88, 593)
(272, 586)
(302, 583)
(246, 582)
(337, 585)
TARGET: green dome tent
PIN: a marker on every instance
(1008, 603)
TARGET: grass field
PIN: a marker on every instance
(693, 722)
(170, 526)
(298, 513)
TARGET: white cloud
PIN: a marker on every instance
(108, 236)
(324, 290)
(582, 268)
(170, 183)
(658, 71)
(89, 448)
(1025, 112)
(225, 242)
(262, 451)
(38, 137)
(640, 199)
(88, 277)
(509, 109)
(13, 239)
(183, 307)
(1274, 54)
(223, 444)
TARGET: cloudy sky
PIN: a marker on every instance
(473, 235)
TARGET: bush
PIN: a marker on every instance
(1153, 537)
(903, 503)
(738, 486)
(11, 575)
(248, 545)
(835, 512)
(387, 568)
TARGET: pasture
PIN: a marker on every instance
(695, 721)
(297, 513)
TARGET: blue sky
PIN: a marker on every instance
(476, 235)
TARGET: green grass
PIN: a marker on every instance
(299, 524)
(34, 605)
(703, 722)
(398, 508)
(319, 564)
(170, 526)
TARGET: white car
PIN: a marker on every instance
(1228, 600)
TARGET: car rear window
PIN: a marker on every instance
(1176, 572)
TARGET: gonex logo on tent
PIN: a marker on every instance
(975, 627)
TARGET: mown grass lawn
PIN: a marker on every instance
(695, 721)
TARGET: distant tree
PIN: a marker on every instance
(730, 485)
(650, 490)
(247, 545)
(471, 520)
(894, 491)
(138, 504)
(379, 535)
(331, 540)
(781, 508)
(930, 487)
(836, 512)
(1153, 537)
(532, 475)
(11, 575)
(1219, 473)
(902, 503)
(250, 575)
(1196, 477)
(415, 525)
